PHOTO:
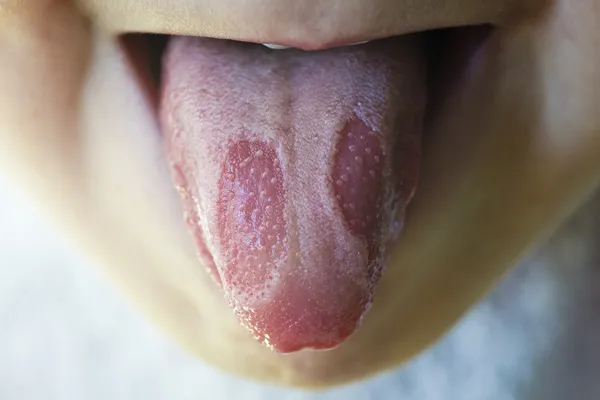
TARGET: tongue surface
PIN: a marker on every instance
(294, 169)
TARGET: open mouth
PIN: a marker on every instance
(296, 168)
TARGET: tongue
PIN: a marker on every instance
(294, 169)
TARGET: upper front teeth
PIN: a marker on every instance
(276, 46)
(280, 47)
(363, 42)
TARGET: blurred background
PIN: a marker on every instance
(66, 334)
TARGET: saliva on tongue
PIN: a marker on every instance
(295, 169)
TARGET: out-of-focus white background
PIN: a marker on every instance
(66, 334)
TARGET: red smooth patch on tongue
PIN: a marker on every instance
(295, 169)
(251, 219)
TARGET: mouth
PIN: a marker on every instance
(296, 168)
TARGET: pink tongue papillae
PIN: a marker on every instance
(295, 169)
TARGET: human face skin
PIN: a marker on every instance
(511, 146)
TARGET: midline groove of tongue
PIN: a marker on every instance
(294, 218)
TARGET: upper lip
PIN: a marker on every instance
(308, 25)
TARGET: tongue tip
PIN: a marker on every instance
(294, 343)
(288, 328)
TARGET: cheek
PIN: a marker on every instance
(77, 130)
(78, 133)
(511, 151)
(42, 70)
